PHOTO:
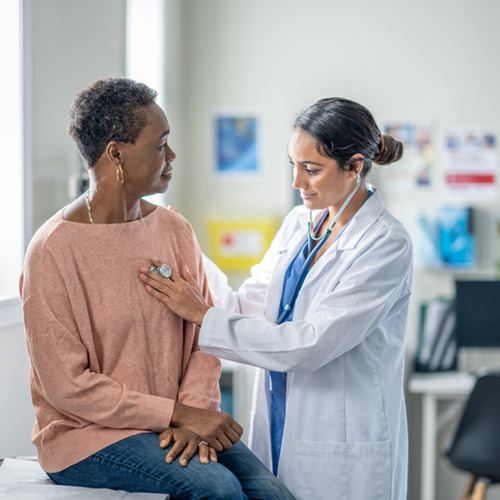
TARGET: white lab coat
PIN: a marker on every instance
(345, 433)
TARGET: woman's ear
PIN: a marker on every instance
(114, 153)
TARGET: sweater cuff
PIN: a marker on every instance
(161, 414)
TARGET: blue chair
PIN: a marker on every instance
(476, 445)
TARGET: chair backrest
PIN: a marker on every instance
(476, 446)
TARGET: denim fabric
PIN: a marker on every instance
(137, 464)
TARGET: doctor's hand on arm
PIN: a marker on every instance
(182, 297)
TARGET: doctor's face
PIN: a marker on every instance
(321, 182)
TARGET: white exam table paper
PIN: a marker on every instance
(25, 480)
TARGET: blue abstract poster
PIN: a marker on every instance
(236, 144)
(446, 238)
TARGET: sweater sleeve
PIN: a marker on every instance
(60, 360)
(200, 383)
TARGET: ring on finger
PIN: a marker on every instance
(202, 442)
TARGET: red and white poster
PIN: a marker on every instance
(470, 164)
(415, 169)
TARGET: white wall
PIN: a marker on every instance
(408, 59)
(73, 44)
(16, 413)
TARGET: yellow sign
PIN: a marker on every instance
(237, 245)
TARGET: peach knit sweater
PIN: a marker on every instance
(108, 360)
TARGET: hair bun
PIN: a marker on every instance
(390, 150)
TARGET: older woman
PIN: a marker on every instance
(123, 396)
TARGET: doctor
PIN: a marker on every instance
(323, 317)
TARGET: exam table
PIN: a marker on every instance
(24, 479)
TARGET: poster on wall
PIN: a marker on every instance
(414, 169)
(470, 161)
(236, 245)
(236, 143)
(445, 238)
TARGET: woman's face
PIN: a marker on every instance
(147, 164)
(321, 182)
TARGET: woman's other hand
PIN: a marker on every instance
(182, 297)
(217, 428)
(186, 443)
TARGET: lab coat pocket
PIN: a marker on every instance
(343, 471)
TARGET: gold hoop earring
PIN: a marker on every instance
(119, 174)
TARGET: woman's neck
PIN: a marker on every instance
(106, 203)
(113, 204)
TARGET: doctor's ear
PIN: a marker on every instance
(356, 164)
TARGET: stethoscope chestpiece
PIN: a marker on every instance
(162, 270)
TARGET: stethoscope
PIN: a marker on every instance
(313, 251)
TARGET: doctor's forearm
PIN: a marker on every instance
(259, 343)
(299, 346)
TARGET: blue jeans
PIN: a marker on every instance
(137, 464)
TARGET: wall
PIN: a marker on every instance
(16, 413)
(73, 44)
(427, 59)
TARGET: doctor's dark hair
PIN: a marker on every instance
(110, 109)
(343, 128)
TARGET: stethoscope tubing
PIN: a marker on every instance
(312, 252)
(302, 277)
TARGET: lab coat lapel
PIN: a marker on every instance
(363, 220)
(297, 239)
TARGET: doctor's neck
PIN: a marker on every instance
(361, 195)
